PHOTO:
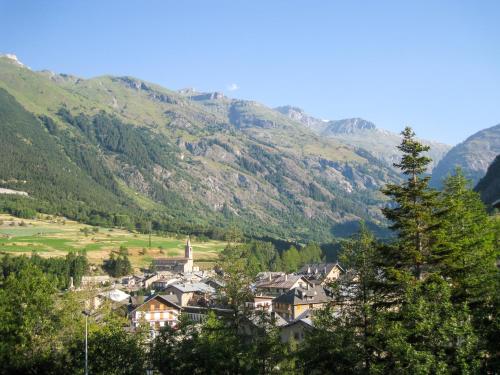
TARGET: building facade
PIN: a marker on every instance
(178, 265)
(157, 312)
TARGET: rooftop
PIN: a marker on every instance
(301, 296)
(281, 281)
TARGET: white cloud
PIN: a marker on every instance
(233, 87)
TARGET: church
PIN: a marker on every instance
(177, 265)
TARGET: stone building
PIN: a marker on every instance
(177, 265)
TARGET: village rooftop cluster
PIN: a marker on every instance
(174, 286)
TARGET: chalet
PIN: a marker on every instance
(187, 293)
(296, 330)
(263, 303)
(298, 300)
(264, 275)
(198, 314)
(158, 311)
(164, 282)
(321, 273)
(184, 264)
(148, 281)
(274, 286)
(215, 283)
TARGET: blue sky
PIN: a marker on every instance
(434, 65)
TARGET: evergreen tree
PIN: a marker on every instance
(311, 253)
(465, 254)
(465, 250)
(291, 259)
(428, 334)
(414, 214)
(347, 338)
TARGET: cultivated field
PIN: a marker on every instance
(52, 236)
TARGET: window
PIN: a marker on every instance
(296, 335)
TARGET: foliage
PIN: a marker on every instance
(414, 216)
(118, 266)
(58, 270)
(33, 326)
(424, 303)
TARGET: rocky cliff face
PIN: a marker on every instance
(348, 126)
(473, 156)
(489, 185)
(359, 133)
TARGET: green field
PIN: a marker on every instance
(50, 236)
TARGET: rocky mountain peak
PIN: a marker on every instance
(299, 115)
(349, 126)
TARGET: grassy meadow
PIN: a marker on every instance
(52, 236)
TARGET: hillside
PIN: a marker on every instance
(359, 133)
(50, 236)
(489, 185)
(119, 146)
(473, 156)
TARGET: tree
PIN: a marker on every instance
(465, 251)
(347, 337)
(119, 266)
(114, 351)
(236, 278)
(291, 259)
(429, 335)
(311, 253)
(414, 214)
(34, 329)
(465, 254)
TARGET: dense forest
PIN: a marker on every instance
(425, 302)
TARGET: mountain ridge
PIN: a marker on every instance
(358, 132)
(473, 156)
(210, 160)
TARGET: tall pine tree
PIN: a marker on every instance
(414, 213)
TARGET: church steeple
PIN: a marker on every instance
(188, 251)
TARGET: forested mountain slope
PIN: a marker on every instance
(122, 145)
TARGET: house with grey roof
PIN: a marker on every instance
(187, 293)
(276, 285)
(321, 273)
(297, 300)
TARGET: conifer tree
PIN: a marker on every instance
(347, 338)
(428, 334)
(413, 213)
(465, 254)
(464, 251)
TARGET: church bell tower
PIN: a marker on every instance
(188, 256)
(188, 251)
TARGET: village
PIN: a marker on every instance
(175, 286)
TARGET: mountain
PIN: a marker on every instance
(359, 133)
(474, 155)
(109, 147)
(489, 186)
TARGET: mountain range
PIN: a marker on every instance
(117, 146)
(360, 133)
(120, 144)
(473, 156)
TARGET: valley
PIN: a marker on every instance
(50, 236)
